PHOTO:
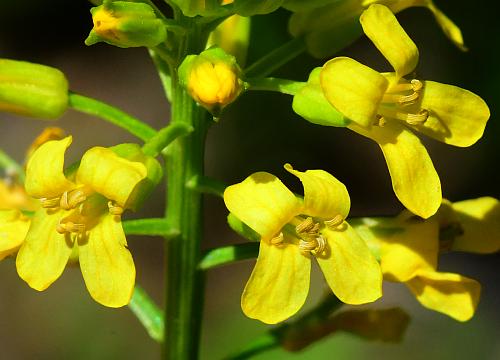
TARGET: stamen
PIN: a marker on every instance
(412, 119)
(317, 245)
(416, 84)
(71, 199)
(380, 121)
(308, 226)
(417, 119)
(335, 222)
(50, 203)
(70, 227)
(277, 240)
(114, 209)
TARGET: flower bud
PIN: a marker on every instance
(32, 90)
(212, 78)
(126, 24)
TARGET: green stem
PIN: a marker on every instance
(164, 137)
(6, 162)
(276, 58)
(184, 161)
(206, 185)
(111, 114)
(283, 86)
(150, 227)
(148, 313)
(228, 254)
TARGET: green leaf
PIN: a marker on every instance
(256, 7)
(201, 7)
(311, 104)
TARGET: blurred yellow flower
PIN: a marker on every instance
(81, 211)
(384, 107)
(292, 230)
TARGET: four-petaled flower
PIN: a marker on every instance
(80, 213)
(293, 229)
(386, 107)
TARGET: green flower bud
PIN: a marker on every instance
(126, 24)
(32, 90)
(133, 152)
(213, 78)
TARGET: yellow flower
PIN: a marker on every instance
(409, 250)
(470, 225)
(386, 107)
(13, 228)
(292, 230)
(82, 213)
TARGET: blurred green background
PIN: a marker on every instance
(260, 132)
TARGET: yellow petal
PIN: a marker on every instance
(45, 170)
(353, 89)
(324, 196)
(107, 265)
(456, 116)
(13, 229)
(263, 203)
(451, 30)
(279, 283)
(349, 268)
(452, 294)
(414, 179)
(406, 252)
(110, 175)
(13, 196)
(383, 29)
(44, 254)
(480, 222)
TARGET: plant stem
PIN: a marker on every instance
(184, 281)
(276, 58)
(148, 313)
(6, 162)
(111, 114)
(283, 86)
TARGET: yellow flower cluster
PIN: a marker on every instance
(78, 216)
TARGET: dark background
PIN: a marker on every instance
(63, 322)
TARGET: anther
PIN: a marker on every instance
(50, 203)
(308, 226)
(417, 85)
(380, 121)
(317, 245)
(417, 119)
(277, 239)
(114, 209)
(335, 222)
(70, 227)
(71, 199)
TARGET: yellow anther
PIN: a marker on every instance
(380, 121)
(70, 227)
(278, 239)
(50, 203)
(335, 222)
(317, 245)
(308, 226)
(416, 84)
(71, 199)
(412, 119)
(114, 209)
(417, 119)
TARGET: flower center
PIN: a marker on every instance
(396, 101)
